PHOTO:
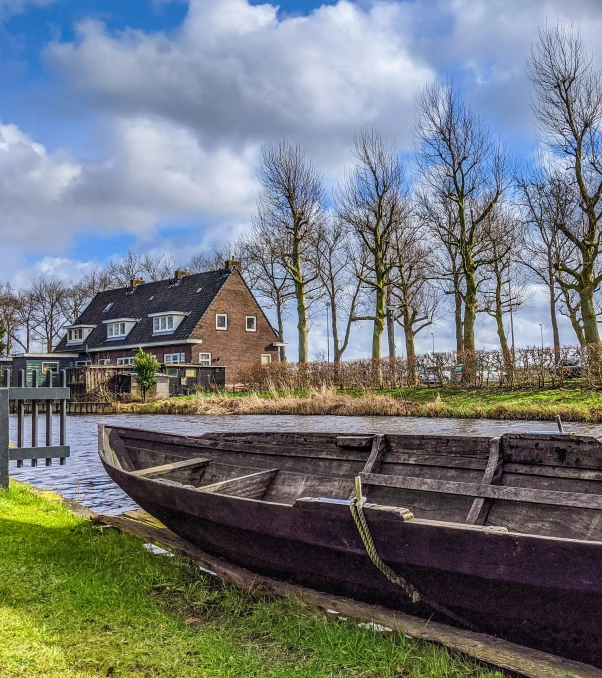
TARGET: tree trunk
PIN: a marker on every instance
(501, 333)
(458, 315)
(335, 331)
(553, 317)
(302, 324)
(408, 331)
(281, 349)
(469, 366)
(379, 324)
(588, 315)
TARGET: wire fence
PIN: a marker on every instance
(530, 367)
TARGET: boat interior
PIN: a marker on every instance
(537, 483)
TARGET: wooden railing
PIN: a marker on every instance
(50, 395)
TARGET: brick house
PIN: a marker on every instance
(207, 319)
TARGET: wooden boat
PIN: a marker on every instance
(503, 535)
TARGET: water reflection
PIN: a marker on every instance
(84, 479)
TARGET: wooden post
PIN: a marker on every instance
(4, 438)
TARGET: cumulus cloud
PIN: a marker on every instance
(238, 72)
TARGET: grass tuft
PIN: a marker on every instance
(80, 602)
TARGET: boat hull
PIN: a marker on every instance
(537, 591)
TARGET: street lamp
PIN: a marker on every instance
(433, 337)
(541, 330)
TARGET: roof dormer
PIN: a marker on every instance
(119, 328)
(77, 334)
(166, 322)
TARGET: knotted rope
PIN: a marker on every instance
(356, 506)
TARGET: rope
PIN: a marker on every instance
(356, 506)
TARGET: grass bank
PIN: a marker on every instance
(572, 404)
(80, 602)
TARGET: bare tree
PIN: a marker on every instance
(414, 294)
(373, 201)
(546, 203)
(269, 280)
(10, 316)
(568, 108)
(441, 218)
(504, 290)
(288, 212)
(158, 266)
(48, 296)
(340, 266)
(464, 167)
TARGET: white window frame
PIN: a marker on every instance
(205, 362)
(163, 324)
(45, 367)
(168, 358)
(76, 334)
(266, 355)
(254, 318)
(125, 361)
(119, 334)
(221, 315)
(104, 361)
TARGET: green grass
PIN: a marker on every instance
(572, 404)
(78, 601)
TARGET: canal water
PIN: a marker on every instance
(83, 478)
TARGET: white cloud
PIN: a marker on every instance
(11, 7)
(237, 72)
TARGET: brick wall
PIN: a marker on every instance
(158, 351)
(235, 346)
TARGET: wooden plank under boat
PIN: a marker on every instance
(505, 535)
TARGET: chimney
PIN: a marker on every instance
(134, 282)
(181, 273)
(229, 264)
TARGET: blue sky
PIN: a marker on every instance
(137, 123)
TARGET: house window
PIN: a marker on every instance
(205, 359)
(104, 361)
(108, 307)
(266, 358)
(50, 367)
(221, 321)
(115, 330)
(125, 361)
(251, 323)
(76, 335)
(163, 323)
(82, 363)
(191, 373)
(174, 358)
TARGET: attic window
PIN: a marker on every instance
(221, 321)
(251, 323)
(163, 323)
(199, 290)
(108, 307)
(151, 298)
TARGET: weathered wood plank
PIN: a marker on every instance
(492, 476)
(188, 464)
(553, 450)
(252, 486)
(53, 452)
(449, 461)
(354, 441)
(552, 497)
(494, 651)
(553, 472)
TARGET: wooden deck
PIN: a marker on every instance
(493, 651)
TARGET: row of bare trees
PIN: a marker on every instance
(455, 232)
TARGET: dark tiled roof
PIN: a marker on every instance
(153, 297)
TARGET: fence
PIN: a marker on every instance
(531, 367)
(48, 394)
